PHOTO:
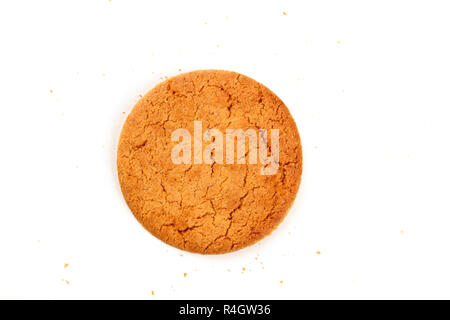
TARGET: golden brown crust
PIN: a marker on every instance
(206, 208)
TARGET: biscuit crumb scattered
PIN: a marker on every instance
(185, 274)
(284, 13)
(339, 42)
(39, 241)
(228, 270)
(51, 91)
(318, 252)
(281, 281)
(153, 293)
(243, 269)
(402, 232)
(66, 265)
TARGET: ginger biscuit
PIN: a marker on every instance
(188, 178)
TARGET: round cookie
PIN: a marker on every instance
(206, 207)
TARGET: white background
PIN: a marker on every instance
(368, 83)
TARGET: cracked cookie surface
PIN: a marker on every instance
(205, 208)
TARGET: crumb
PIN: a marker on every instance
(218, 46)
(342, 90)
(140, 95)
(284, 13)
(256, 258)
(179, 70)
(51, 91)
(315, 147)
(39, 241)
(402, 232)
(123, 112)
(318, 252)
(181, 254)
(243, 269)
(153, 293)
(185, 274)
(228, 270)
(339, 42)
(281, 281)
(206, 22)
(66, 265)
